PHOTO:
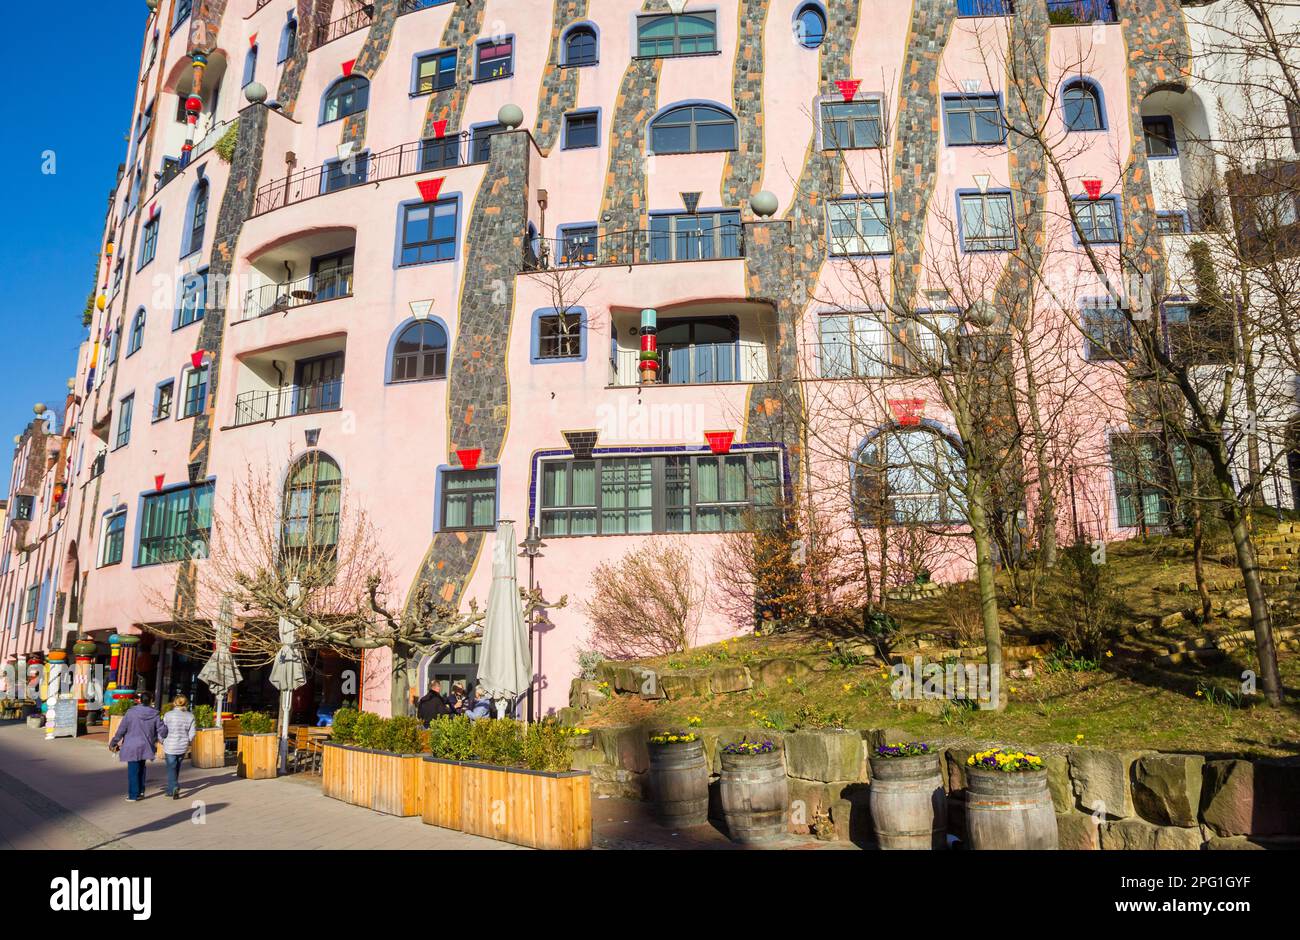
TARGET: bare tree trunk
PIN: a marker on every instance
(1198, 563)
(988, 597)
(1261, 620)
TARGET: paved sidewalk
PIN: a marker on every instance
(71, 794)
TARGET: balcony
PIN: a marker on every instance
(310, 269)
(699, 344)
(1081, 12)
(358, 19)
(421, 156)
(589, 248)
(253, 407)
(315, 288)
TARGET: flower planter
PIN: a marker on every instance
(113, 722)
(679, 783)
(259, 756)
(1009, 810)
(534, 808)
(378, 780)
(208, 749)
(909, 809)
(755, 797)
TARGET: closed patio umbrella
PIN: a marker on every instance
(287, 674)
(220, 674)
(505, 668)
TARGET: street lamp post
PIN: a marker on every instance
(532, 547)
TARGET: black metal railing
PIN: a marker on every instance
(287, 401)
(1081, 12)
(358, 19)
(429, 155)
(97, 465)
(634, 247)
(312, 289)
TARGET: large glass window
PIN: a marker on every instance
(1082, 107)
(685, 236)
(420, 353)
(908, 476)
(175, 525)
(697, 350)
(1106, 333)
(349, 95)
(311, 504)
(677, 34)
(580, 46)
(693, 129)
(429, 232)
(859, 226)
(1098, 220)
(973, 119)
(194, 298)
(853, 345)
(196, 391)
(114, 538)
(662, 493)
(469, 499)
(851, 125)
(987, 222)
(1148, 476)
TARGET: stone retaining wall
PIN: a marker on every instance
(1105, 799)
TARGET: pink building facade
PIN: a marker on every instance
(359, 259)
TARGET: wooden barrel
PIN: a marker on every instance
(209, 748)
(679, 783)
(1009, 810)
(755, 797)
(909, 809)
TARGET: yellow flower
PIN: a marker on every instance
(1109, 654)
(789, 681)
(1199, 693)
(847, 686)
(1014, 690)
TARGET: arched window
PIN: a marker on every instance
(810, 25)
(346, 96)
(907, 476)
(580, 46)
(136, 339)
(250, 67)
(1082, 104)
(288, 39)
(198, 219)
(420, 353)
(311, 505)
(695, 128)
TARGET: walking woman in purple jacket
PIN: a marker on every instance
(136, 741)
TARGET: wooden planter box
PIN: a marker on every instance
(538, 809)
(209, 748)
(113, 722)
(379, 780)
(259, 756)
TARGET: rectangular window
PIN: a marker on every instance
(581, 129)
(1147, 476)
(175, 525)
(439, 153)
(1172, 223)
(125, 409)
(973, 119)
(480, 142)
(23, 506)
(559, 336)
(469, 499)
(671, 34)
(494, 60)
(1098, 220)
(429, 232)
(1159, 135)
(196, 391)
(987, 222)
(986, 7)
(194, 298)
(344, 174)
(851, 125)
(114, 538)
(578, 244)
(862, 345)
(1106, 333)
(117, 275)
(149, 241)
(684, 236)
(671, 493)
(859, 226)
(162, 400)
(31, 603)
(435, 72)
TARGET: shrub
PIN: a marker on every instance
(497, 741)
(345, 725)
(588, 660)
(368, 730)
(548, 746)
(648, 603)
(121, 706)
(225, 146)
(204, 717)
(256, 723)
(449, 738)
(1084, 609)
(401, 735)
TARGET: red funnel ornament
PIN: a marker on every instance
(430, 189)
(1093, 189)
(196, 357)
(158, 482)
(848, 87)
(720, 441)
(469, 458)
(907, 411)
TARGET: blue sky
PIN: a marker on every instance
(73, 96)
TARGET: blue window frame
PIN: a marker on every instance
(581, 130)
(859, 225)
(196, 215)
(125, 411)
(1106, 335)
(434, 71)
(250, 67)
(344, 174)
(181, 12)
(698, 128)
(175, 525)
(851, 125)
(288, 40)
(148, 241)
(136, 339)
(559, 337)
(346, 96)
(581, 46)
(986, 221)
(1099, 219)
(33, 601)
(194, 298)
(196, 391)
(114, 539)
(1173, 222)
(578, 243)
(1158, 132)
(467, 499)
(973, 120)
(1082, 107)
(429, 231)
(985, 8)
(661, 35)
(810, 25)
(162, 399)
(494, 60)
(439, 153)
(418, 352)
